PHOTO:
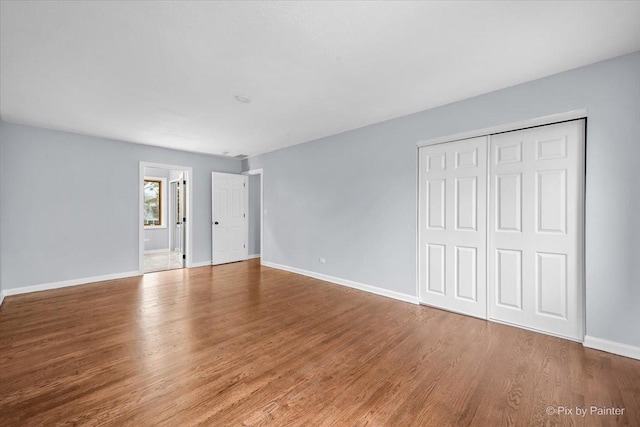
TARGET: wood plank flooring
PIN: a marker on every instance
(242, 344)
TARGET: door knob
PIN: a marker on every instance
(216, 223)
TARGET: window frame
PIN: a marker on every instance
(162, 203)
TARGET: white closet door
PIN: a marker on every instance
(453, 226)
(536, 228)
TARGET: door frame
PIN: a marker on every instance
(509, 127)
(260, 172)
(188, 173)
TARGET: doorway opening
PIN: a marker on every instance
(164, 206)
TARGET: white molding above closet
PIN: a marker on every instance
(538, 121)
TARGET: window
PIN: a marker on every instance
(153, 202)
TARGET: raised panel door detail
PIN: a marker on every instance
(551, 284)
(509, 202)
(551, 201)
(467, 159)
(436, 203)
(466, 271)
(555, 148)
(221, 208)
(236, 238)
(236, 200)
(511, 153)
(437, 162)
(509, 278)
(436, 268)
(466, 201)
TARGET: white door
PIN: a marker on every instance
(453, 238)
(229, 222)
(174, 217)
(177, 235)
(536, 228)
(181, 203)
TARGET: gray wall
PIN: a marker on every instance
(351, 198)
(254, 214)
(70, 204)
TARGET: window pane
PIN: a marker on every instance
(152, 202)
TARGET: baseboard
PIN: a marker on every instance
(67, 283)
(200, 264)
(1, 297)
(156, 251)
(253, 256)
(344, 282)
(620, 349)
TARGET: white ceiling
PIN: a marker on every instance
(166, 73)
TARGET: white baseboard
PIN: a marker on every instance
(1, 297)
(253, 256)
(344, 282)
(67, 283)
(156, 251)
(200, 264)
(612, 347)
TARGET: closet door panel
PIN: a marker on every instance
(452, 216)
(535, 222)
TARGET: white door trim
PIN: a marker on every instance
(507, 127)
(260, 172)
(188, 209)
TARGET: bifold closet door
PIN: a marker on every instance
(452, 217)
(536, 228)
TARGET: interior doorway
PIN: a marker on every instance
(164, 206)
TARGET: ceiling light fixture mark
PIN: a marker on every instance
(243, 99)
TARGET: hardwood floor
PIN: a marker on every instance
(241, 344)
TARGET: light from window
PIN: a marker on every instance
(152, 202)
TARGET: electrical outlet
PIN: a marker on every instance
(322, 261)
